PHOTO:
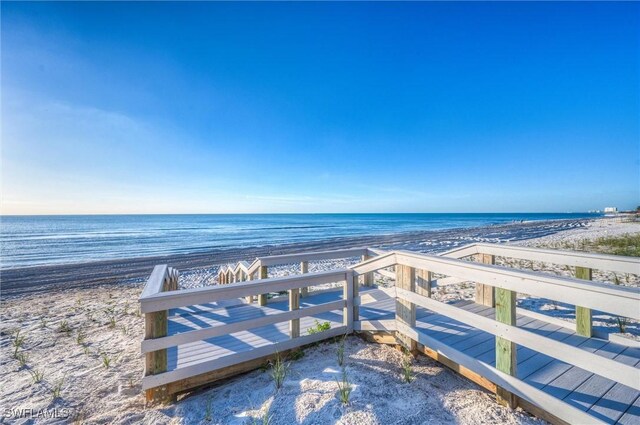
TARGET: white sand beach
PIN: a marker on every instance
(78, 351)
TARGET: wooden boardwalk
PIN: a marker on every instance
(561, 372)
(603, 398)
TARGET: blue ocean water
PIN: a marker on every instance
(39, 240)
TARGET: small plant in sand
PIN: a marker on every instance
(344, 388)
(43, 323)
(319, 327)
(80, 338)
(56, 389)
(622, 324)
(340, 350)
(106, 360)
(18, 342)
(407, 368)
(126, 308)
(279, 369)
(64, 328)
(111, 316)
(208, 410)
(616, 279)
(36, 375)
(22, 359)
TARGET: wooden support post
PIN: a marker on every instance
(506, 350)
(347, 296)
(355, 284)
(294, 304)
(405, 310)
(368, 277)
(485, 294)
(304, 268)
(583, 314)
(262, 298)
(423, 283)
(249, 297)
(156, 326)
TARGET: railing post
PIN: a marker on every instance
(406, 310)
(355, 293)
(423, 283)
(262, 298)
(583, 314)
(367, 279)
(505, 349)
(294, 304)
(485, 294)
(304, 268)
(249, 297)
(156, 325)
(347, 295)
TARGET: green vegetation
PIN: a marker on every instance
(340, 351)
(36, 375)
(18, 341)
(208, 410)
(407, 368)
(319, 327)
(279, 371)
(628, 245)
(64, 328)
(57, 389)
(344, 388)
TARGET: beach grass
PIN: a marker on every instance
(627, 245)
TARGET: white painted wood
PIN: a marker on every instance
(387, 273)
(194, 296)
(152, 381)
(149, 345)
(557, 407)
(275, 260)
(375, 325)
(461, 252)
(347, 312)
(613, 263)
(618, 300)
(599, 365)
(155, 281)
(375, 264)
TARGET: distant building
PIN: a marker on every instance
(610, 210)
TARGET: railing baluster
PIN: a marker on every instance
(505, 349)
(264, 273)
(423, 283)
(367, 279)
(294, 304)
(406, 310)
(485, 294)
(583, 314)
(348, 290)
(304, 268)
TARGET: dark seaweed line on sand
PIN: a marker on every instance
(20, 281)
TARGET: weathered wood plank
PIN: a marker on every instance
(304, 268)
(294, 304)
(406, 310)
(583, 314)
(505, 349)
(423, 282)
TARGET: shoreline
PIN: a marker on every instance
(20, 281)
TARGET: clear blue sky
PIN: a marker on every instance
(305, 107)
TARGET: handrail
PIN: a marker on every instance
(617, 300)
(194, 296)
(274, 260)
(620, 372)
(606, 262)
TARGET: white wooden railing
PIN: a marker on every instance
(413, 283)
(507, 282)
(157, 300)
